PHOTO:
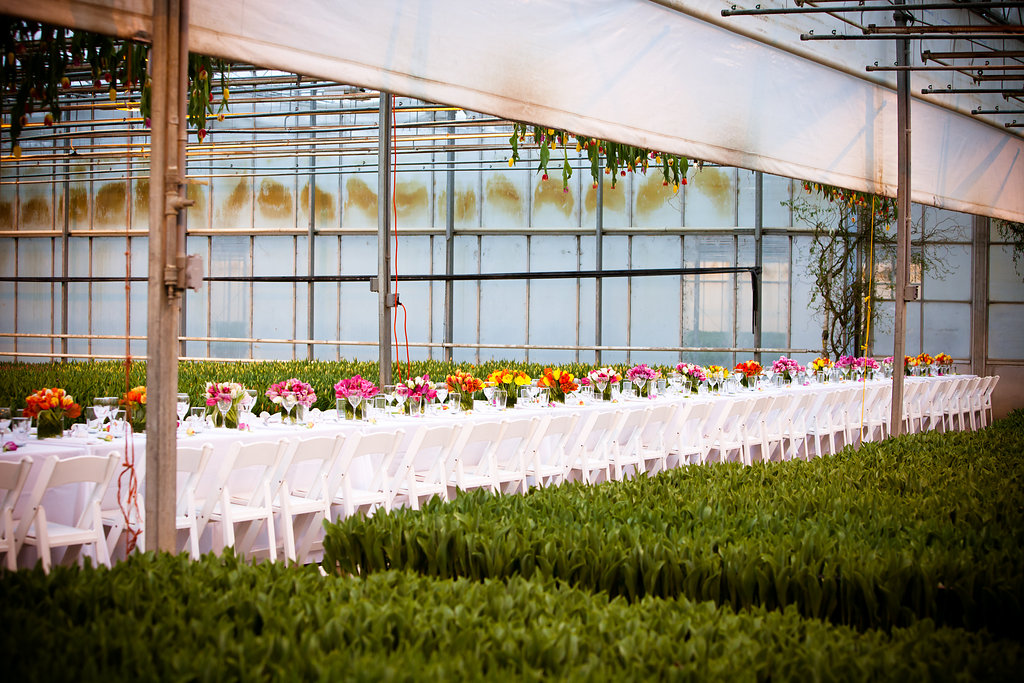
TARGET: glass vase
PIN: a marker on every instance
(49, 425)
(228, 419)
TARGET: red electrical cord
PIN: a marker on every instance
(394, 226)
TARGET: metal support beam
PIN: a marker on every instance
(169, 60)
(979, 296)
(449, 246)
(385, 302)
(969, 54)
(902, 223)
(599, 266)
(311, 232)
(758, 259)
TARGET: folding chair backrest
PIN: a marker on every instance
(97, 470)
(629, 428)
(553, 445)
(661, 420)
(305, 473)
(475, 443)
(191, 465)
(366, 459)
(12, 481)
(510, 452)
(259, 458)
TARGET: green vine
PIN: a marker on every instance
(617, 158)
(40, 61)
(1014, 234)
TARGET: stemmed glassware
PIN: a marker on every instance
(489, 388)
(288, 402)
(675, 380)
(104, 406)
(5, 419)
(601, 385)
(441, 389)
(224, 405)
(182, 406)
(354, 399)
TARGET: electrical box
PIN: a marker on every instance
(912, 293)
(193, 273)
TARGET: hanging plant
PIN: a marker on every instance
(614, 158)
(39, 61)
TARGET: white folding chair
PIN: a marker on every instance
(799, 423)
(657, 434)
(694, 431)
(423, 470)
(361, 479)
(94, 472)
(986, 400)
(819, 425)
(937, 408)
(731, 435)
(244, 492)
(592, 461)
(191, 463)
(510, 453)
(959, 408)
(877, 412)
(774, 416)
(915, 397)
(12, 482)
(965, 402)
(625, 445)
(471, 459)
(302, 485)
(548, 458)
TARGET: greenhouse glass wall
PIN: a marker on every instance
(285, 187)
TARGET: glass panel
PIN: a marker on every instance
(505, 198)
(947, 329)
(464, 296)
(553, 302)
(615, 209)
(775, 212)
(1005, 322)
(553, 205)
(1006, 280)
(710, 198)
(230, 301)
(503, 303)
(654, 202)
(954, 282)
(708, 319)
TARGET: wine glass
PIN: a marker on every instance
(401, 395)
(5, 418)
(441, 389)
(640, 383)
(288, 402)
(489, 388)
(675, 380)
(354, 399)
(601, 385)
(104, 405)
(223, 406)
(182, 406)
(738, 376)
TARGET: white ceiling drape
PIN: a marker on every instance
(633, 71)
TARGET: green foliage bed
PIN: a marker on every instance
(222, 620)
(924, 526)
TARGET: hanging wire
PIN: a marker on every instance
(867, 317)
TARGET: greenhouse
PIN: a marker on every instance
(488, 325)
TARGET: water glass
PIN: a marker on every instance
(500, 399)
(92, 419)
(197, 419)
(626, 390)
(20, 428)
(415, 402)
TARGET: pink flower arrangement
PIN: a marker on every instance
(846, 362)
(223, 391)
(694, 372)
(641, 372)
(292, 391)
(608, 375)
(418, 386)
(355, 386)
(787, 365)
(868, 363)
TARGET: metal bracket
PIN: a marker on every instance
(912, 293)
(191, 275)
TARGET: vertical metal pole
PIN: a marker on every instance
(65, 232)
(902, 222)
(449, 246)
(758, 260)
(385, 304)
(599, 282)
(311, 233)
(169, 58)
(979, 296)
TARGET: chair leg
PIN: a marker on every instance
(43, 540)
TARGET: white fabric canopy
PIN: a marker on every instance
(633, 71)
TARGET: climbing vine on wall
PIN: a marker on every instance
(612, 158)
(1014, 234)
(41, 61)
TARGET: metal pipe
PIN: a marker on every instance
(449, 248)
(311, 233)
(974, 91)
(384, 189)
(930, 36)
(758, 284)
(997, 111)
(902, 224)
(966, 68)
(967, 54)
(599, 263)
(868, 8)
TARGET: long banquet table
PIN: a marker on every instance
(938, 402)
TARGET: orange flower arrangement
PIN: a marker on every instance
(56, 400)
(943, 359)
(559, 382)
(749, 369)
(135, 396)
(464, 382)
(924, 359)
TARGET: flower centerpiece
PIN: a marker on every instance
(750, 370)
(50, 407)
(887, 366)
(821, 364)
(559, 383)
(602, 380)
(715, 370)
(355, 386)
(867, 364)
(641, 376)
(134, 402)
(290, 393)
(224, 391)
(694, 373)
(417, 389)
(845, 365)
(510, 381)
(944, 362)
(467, 385)
(787, 367)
